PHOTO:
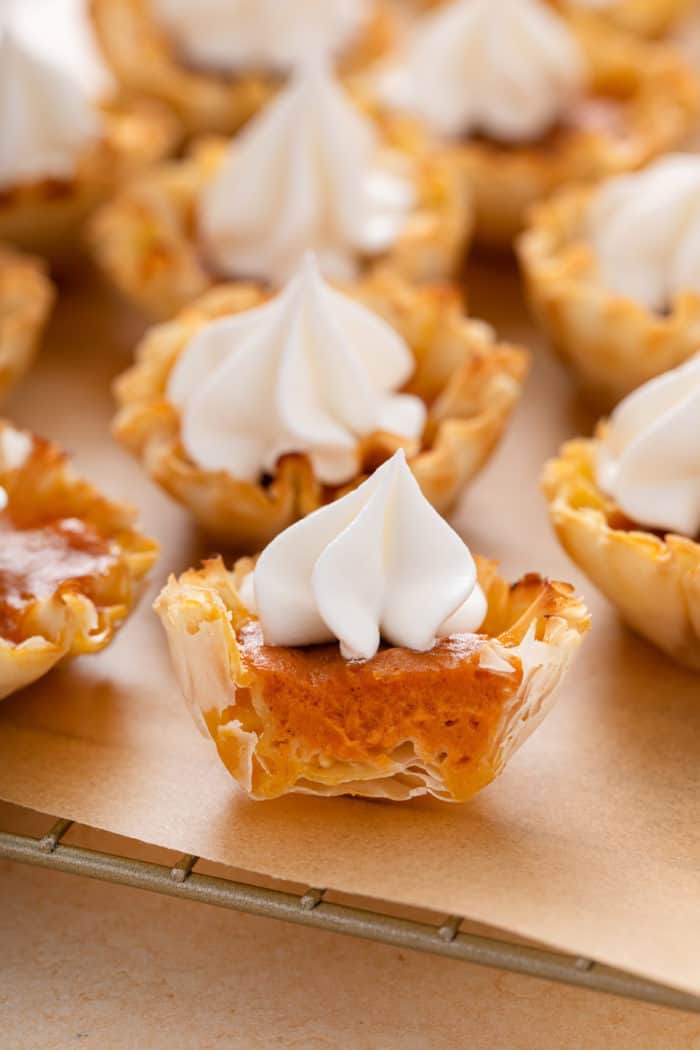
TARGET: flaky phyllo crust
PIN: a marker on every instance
(146, 239)
(47, 215)
(611, 343)
(145, 61)
(26, 298)
(654, 580)
(470, 383)
(42, 487)
(645, 17)
(656, 100)
(403, 724)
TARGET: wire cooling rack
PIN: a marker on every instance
(310, 908)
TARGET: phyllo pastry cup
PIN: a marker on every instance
(469, 382)
(146, 61)
(26, 298)
(611, 343)
(653, 579)
(71, 561)
(397, 726)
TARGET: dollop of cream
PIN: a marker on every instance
(311, 371)
(260, 34)
(308, 173)
(645, 231)
(649, 455)
(46, 121)
(378, 564)
(507, 69)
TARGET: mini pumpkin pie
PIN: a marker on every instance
(365, 652)
(649, 18)
(613, 275)
(216, 62)
(626, 508)
(534, 101)
(311, 172)
(253, 411)
(26, 299)
(60, 153)
(71, 562)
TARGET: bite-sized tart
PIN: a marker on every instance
(71, 561)
(26, 298)
(534, 101)
(253, 411)
(648, 18)
(61, 153)
(626, 507)
(311, 172)
(365, 652)
(217, 63)
(613, 275)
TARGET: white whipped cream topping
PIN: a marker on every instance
(380, 563)
(311, 371)
(649, 458)
(45, 119)
(260, 34)
(645, 230)
(505, 68)
(307, 173)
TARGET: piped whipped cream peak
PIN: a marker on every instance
(308, 173)
(378, 564)
(507, 69)
(260, 34)
(649, 456)
(45, 119)
(645, 230)
(311, 371)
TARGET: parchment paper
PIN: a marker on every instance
(590, 840)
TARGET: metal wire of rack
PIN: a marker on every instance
(310, 908)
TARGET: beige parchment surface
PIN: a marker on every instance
(590, 842)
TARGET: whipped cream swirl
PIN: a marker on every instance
(307, 173)
(311, 371)
(45, 119)
(505, 68)
(380, 563)
(260, 34)
(649, 455)
(645, 230)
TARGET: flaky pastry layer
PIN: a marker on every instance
(41, 487)
(470, 383)
(145, 239)
(653, 580)
(26, 298)
(611, 343)
(648, 18)
(404, 724)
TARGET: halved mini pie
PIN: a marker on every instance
(314, 172)
(254, 410)
(612, 275)
(71, 561)
(61, 153)
(217, 64)
(366, 653)
(626, 508)
(26, 298)
(534, 101)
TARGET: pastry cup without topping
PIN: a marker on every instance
(145, 238)
(42, 486)
(470, 382)
(654, 581)
(657, 95)
(145, 62)
(26, 298)
(300, 735)
(47, 216)
(611, 343)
